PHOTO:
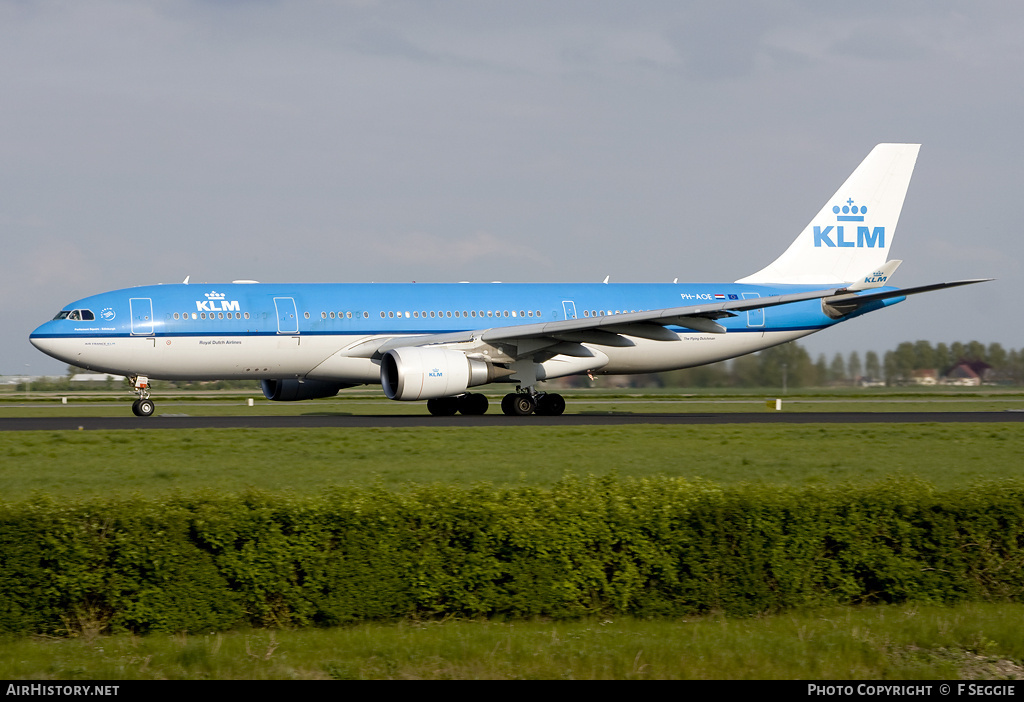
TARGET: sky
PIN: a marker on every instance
(327, 141)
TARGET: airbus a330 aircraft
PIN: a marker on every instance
(435, 341)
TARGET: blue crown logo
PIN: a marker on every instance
(850, 212)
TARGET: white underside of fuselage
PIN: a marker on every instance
(326, 357)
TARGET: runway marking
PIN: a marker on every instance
(325, 420)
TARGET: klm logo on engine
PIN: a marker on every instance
(835, 235)
(215, 302)
(436, 373)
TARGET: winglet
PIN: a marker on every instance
(877, 278)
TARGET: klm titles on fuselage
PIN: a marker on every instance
(215, 302)
(867, 237)
(217, 306)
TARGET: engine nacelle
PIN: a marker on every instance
(292, 389)
(418, 373)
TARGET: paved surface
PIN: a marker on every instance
(343, 421)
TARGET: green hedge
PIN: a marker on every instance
(656, 547)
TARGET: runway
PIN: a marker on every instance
(346, 421)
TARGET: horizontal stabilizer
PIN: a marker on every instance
(845, 303)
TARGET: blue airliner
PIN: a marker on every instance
(435, 341)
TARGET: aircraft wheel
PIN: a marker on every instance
(443, 406)
(551, 405)
(143, 408)
(506, 404)
(523, 405)
(473, 404)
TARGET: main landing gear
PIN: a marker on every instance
(142, 407)
(546, 404)
(470, 403)
(516, 404)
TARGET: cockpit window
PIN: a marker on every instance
(83, 315)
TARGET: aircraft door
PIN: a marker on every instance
(755, 318)
(287, 317)
(142, 315)
(569, 307)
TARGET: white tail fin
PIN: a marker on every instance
(853, 232)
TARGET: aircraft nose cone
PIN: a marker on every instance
(43, 340)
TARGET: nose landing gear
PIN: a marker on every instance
(142, 407)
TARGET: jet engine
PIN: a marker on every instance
(420, 373)
(291, 389)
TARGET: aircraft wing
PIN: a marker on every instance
(610, 330)
(615, 330)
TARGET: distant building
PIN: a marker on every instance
(969, 373)
(924, 376)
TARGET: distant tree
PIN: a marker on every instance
(821, 370)
(997, 356)
(957, 352)
(798, 369)
(853, 366)
(1015, 363)
(976, 351)
(943, 360)
(837, 369)
(924, 355)
(746, 371)
(871, 365)
(890, 368)
(905, 359)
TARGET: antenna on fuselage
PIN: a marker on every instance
(185, 282)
